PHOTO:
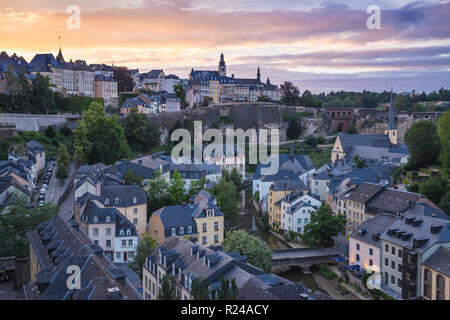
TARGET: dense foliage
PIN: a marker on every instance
(258, 253)
(423, 143)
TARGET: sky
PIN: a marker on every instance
(318, 45)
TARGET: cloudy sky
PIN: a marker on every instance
(317, 44)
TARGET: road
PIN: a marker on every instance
(55, 190)
(303, 253)
(66, 208)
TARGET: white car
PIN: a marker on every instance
(45, 186)
(43, 191)
(41, 203)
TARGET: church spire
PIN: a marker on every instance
(60, 57)
(258, 75)
(391, 112)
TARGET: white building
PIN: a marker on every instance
(296, 211)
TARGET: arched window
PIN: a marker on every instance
(128, 232)
(95, 219)
(121, 232)
(106, 202)
(108, 219)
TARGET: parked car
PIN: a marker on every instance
(43, 191)
(45, 186)
(41, 203)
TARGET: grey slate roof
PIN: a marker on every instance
(41, 63)
(370, 230)
(439, 261)
(125, 194)
(417, 231)
(69, 246)
(299, 163)
(365, 140)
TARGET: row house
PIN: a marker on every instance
(10, 64)
(56, 245)
(152, 80)
(46, 65)
(105, 88)
(201, 220)
(404, 250)
(109, 229)
(192, 173)
(296, 209)
(278, 191)
(159, 102)
(186, 261)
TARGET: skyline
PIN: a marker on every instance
(308, 42)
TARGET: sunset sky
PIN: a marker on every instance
(318, 45)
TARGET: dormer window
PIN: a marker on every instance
(108, 219)
(106, 202)
(189, 229)
(210, 212)
(128, 232)
(173, 231)
(95, 219)
(134, 200)
(117, 201)
(181, 230)
(121, 232)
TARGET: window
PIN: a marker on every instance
(130, 243)
(306, 220)
(95, 219)
(128, 232)
(386, 278)
(204, 240)
(106, 202)
(400, 253)
(108, 219)
(189, 229)
(427, 284)
(299, 221)
(357, 246)
(124, 243)
(108, 243)
(135, 210)
(393, 265)
(440, 287)
(204, 227)
(399, 283)
(357, 257)
(370, 262)
(216, 238)
(216, 226)
(392, 279)
(386, 262)
(181, 230)
(108, 231)
(134, 201)
(399, 267)
(173, 231)
(95, 231)
(393, 251)
(96, 241)
(118, 255)
(370, 251)
(135, 221)
(386, 248)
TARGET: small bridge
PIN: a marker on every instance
(304, 258)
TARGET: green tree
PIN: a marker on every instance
(227, 199)
(228, 290)
(144, 249)
(81, 145)
(168, 290)
(16, 219)
(124, 81)
(43, 100)
(434, 189)
(359, 163)
(198, 185)
(131, 177)
(181, 94)
(351, 130)
(63, 157)
(61, 173)
(236, 178)
(141, 134)
(158, 193)
(258, 253)
(323, 226)
(423, 144)
(199, 289)
(177, 192)
(290, 94)
(49, 132)
(308, 99)
(443, 129)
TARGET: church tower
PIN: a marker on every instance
(222, 67)
(391, 131)
(258, 75)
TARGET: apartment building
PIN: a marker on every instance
(436, 275)
(296, 209)
(105, 88)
